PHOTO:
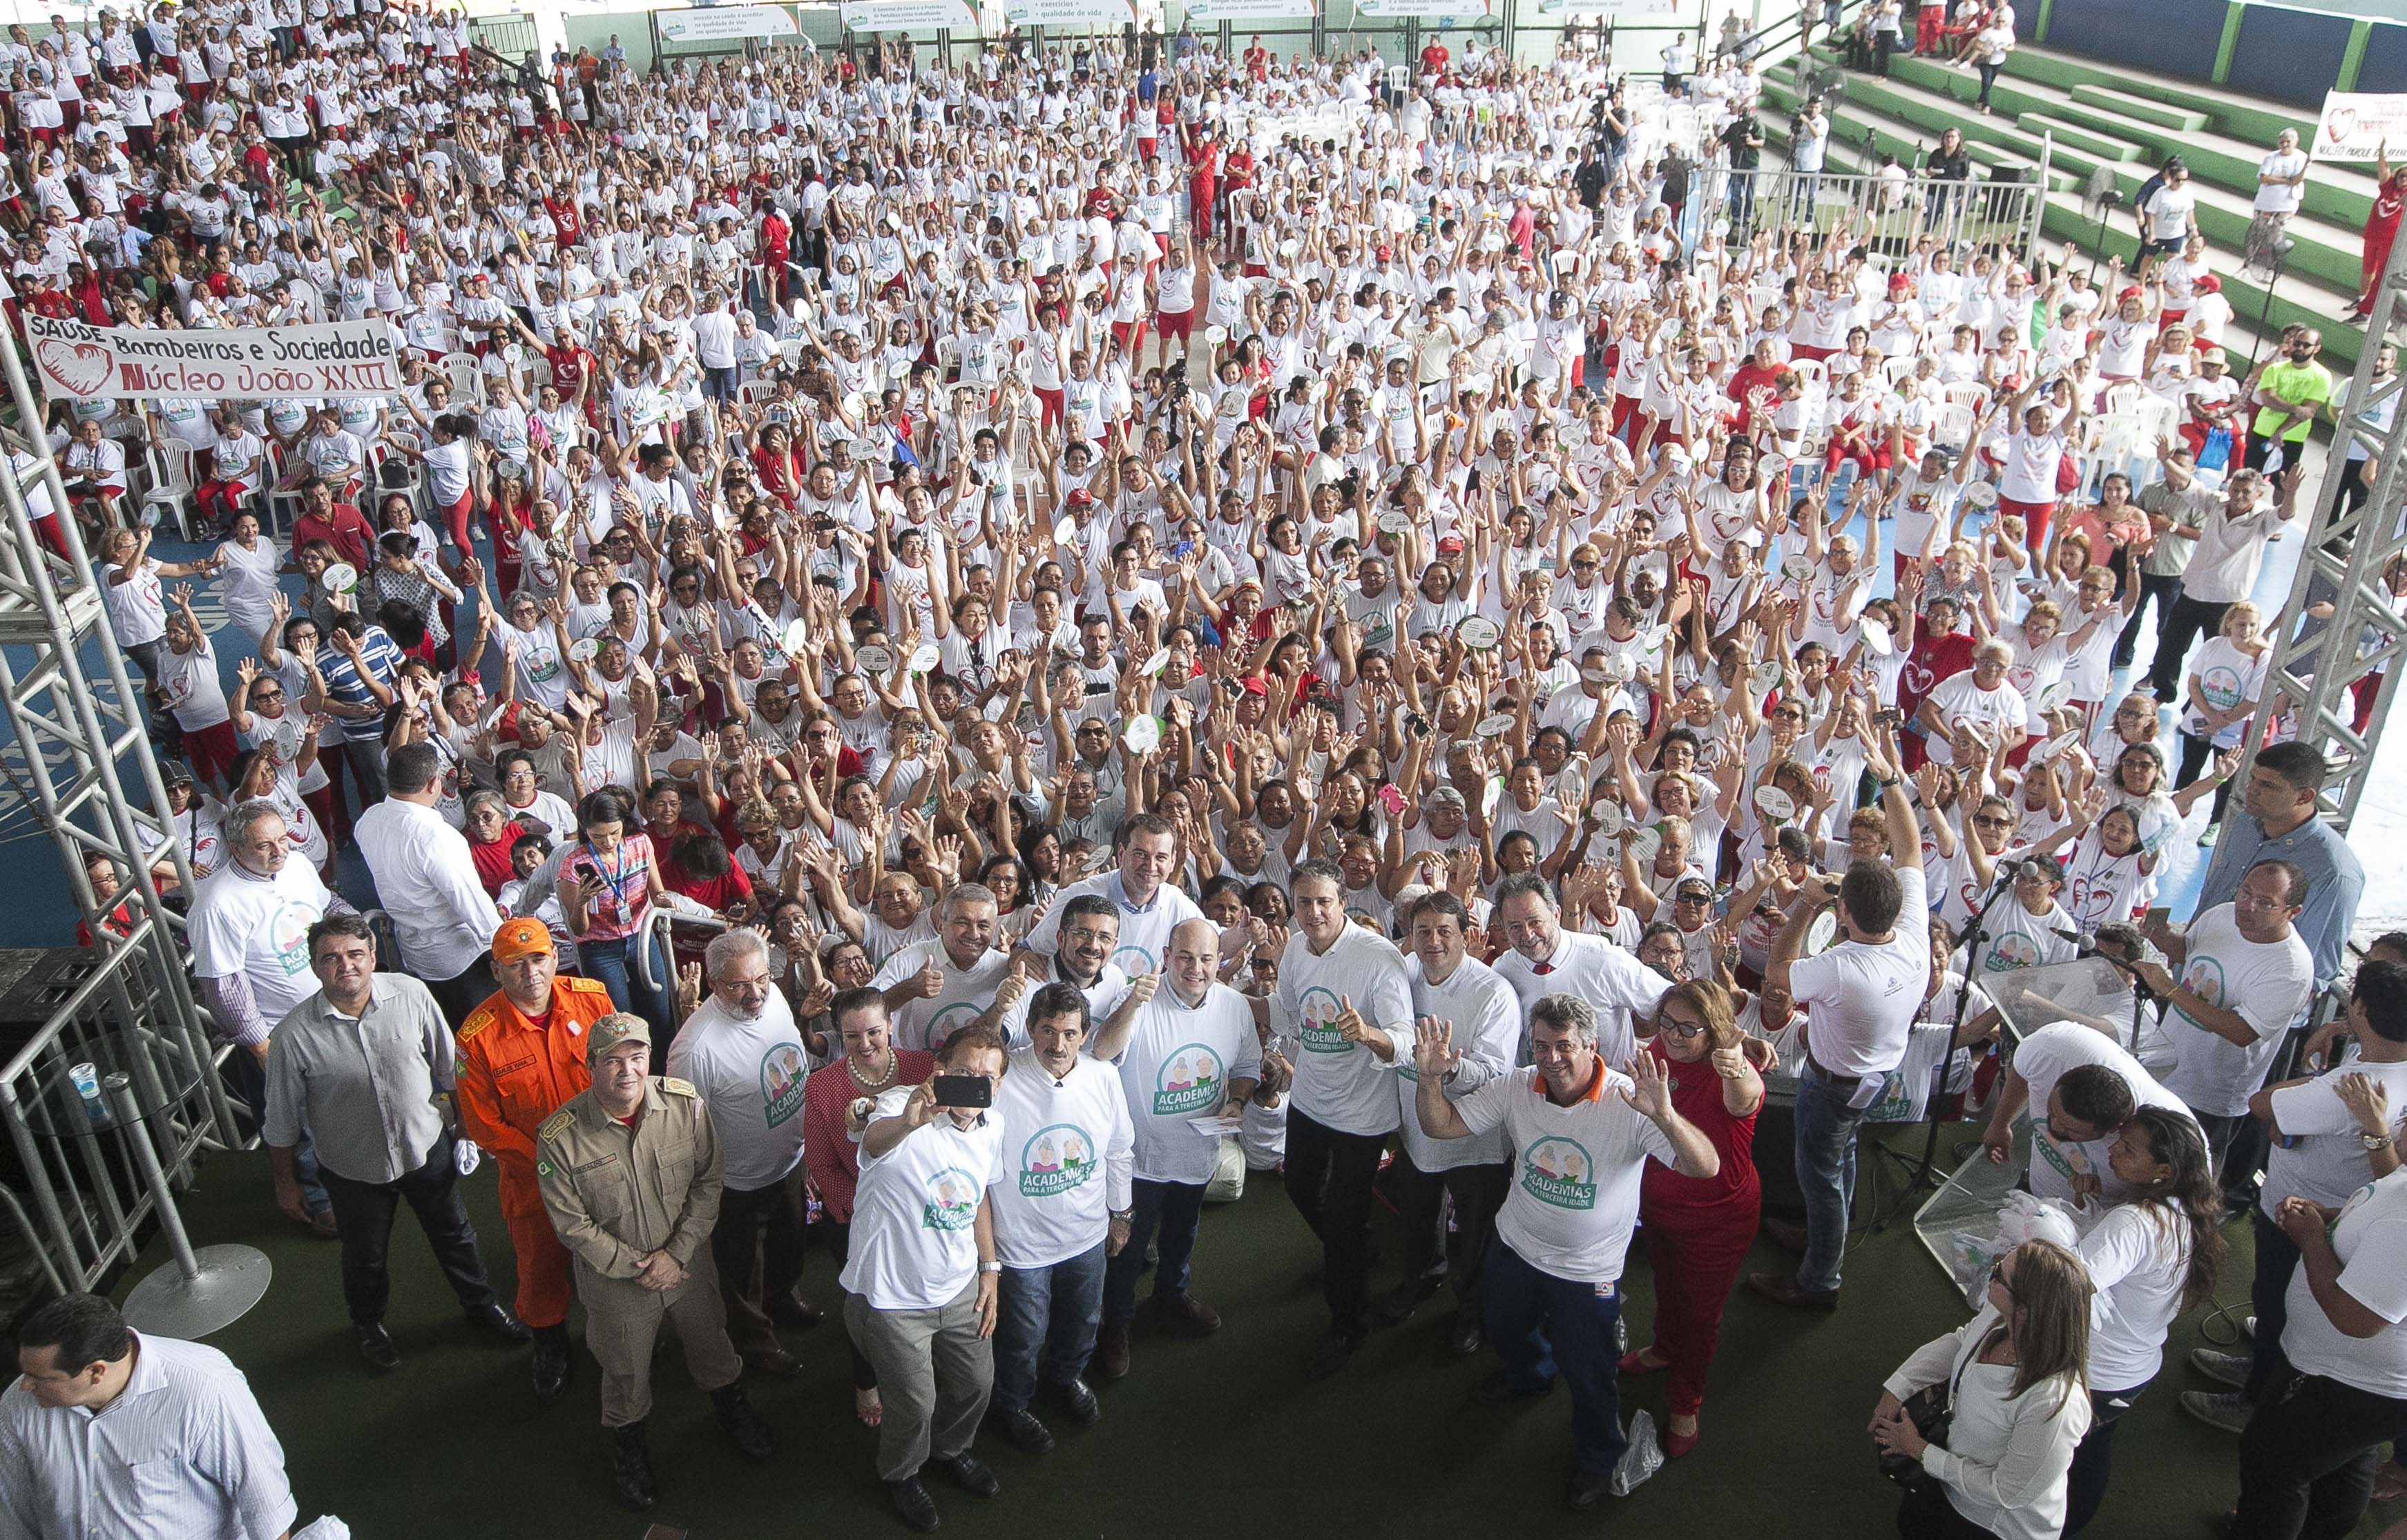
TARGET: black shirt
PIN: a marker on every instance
(1744, 156)
(1949, 166)
(1589, 181)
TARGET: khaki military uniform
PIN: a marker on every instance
(616, 1194)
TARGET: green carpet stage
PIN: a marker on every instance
(1207, 1439)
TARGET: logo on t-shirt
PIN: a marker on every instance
(2203, 978)
(1319, 1010)
(952, 1200)
(2220, 684)
(1134, 960)
(2013, 949)
(1189, 1080)
(1560, 1172)
(782, 1069)
(288, 937)
(953, 1019)
(1056, 1159)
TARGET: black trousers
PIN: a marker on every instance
(1328, 1177)
(1927, 1515)
(2192, 619)
(1479, 1192)
(2093, 1459)
(462, 994)
(2196, 753)
(2161, 589)
(2308, 1458)
(366, 1212)
(757, 1245)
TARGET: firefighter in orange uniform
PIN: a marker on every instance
(521, 1056)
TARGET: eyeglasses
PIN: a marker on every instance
(1693, 898)
(1998, 1275)
(1675, 1027)
(1084, 933)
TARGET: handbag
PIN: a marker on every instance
(2217, 454)
(1931, 1410)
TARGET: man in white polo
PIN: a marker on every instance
(1139, 884)
(1546, 959)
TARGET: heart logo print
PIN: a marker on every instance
(2338, 123)
(78, 368)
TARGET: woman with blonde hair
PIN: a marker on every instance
(1698, 1229)
(2015, 1386)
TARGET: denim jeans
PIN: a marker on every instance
(1045, 1327)
(1825, 1174)
(1177, 1210)
(1541, 1325)
(614, 964)
(1741, 200)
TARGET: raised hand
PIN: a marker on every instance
(1434, 1055)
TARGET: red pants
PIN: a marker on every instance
(2034, 516)
(1697, 1253)
(1130, 335)
(52, 536)
(543, 1261)
(1199, 192)
(1051, 401)
(1173, 323)
(210, 751)
(1926, 30)
(219, 501)
(455, 520)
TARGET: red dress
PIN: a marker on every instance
(1698, 1230)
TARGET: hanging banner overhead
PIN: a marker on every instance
(725, 23)
(1251, 10)
(909, 15)
(1444, 12)
(1077, 15)
(1664, 12)
(2356, 125)
(80, 362)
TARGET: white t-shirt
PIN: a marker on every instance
(259, 927)
(913, 1244)
(1145, 933)
(1067, 1154)
(2370, 1239)
(1599, 972)
(1576, 1171)
(1487, 1017)
(1338, 1084)
(1959, 698)
(2041, 1060)
(2321, 1151)
(1863, 998)
(2137, 1258)
(1176, 1067)
(2283, 199)
(966, 995)
(2266, 982)
(750, 1074)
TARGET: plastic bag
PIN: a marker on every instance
(327, 1527)
(1642, 1458)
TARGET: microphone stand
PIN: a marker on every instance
(1926, 1172)
(2087, 946)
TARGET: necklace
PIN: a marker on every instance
(893, 1062)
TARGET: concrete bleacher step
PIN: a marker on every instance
(2129, 107)
(1905, 115)
(2103, 146)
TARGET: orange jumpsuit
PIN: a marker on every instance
(511, 1075)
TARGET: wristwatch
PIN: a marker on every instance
(2375, 1141)
(989, 1267)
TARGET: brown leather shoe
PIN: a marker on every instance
(774, 1361)
(1184, 1314)
(1111, 1360)
(1781, 1288)
(1782, 1233)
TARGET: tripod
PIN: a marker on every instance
(1925, 1175)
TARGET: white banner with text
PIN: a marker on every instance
(80, 362)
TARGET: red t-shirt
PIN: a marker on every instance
(1697, 1093)
(493, 861)
(1754, 389)
(1933, 659)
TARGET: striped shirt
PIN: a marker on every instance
(183, 1451)
(381, 657)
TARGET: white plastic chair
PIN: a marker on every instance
(2109, 440)
(464, 379)
(1898, 368)
(1968, 392)
(753, 391)
(169, 463)
(1814, 373)
(948, 360)
(2123, 398)
(1953, 426)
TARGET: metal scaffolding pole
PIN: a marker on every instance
(87, 756)
(2320, 658)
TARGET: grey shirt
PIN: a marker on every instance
(2171, 557)
(365, 1088)
(2335, 882)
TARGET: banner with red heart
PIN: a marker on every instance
(73, 368)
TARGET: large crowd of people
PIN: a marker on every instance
(941, 659)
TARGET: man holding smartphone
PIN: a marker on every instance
(921, 1279)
